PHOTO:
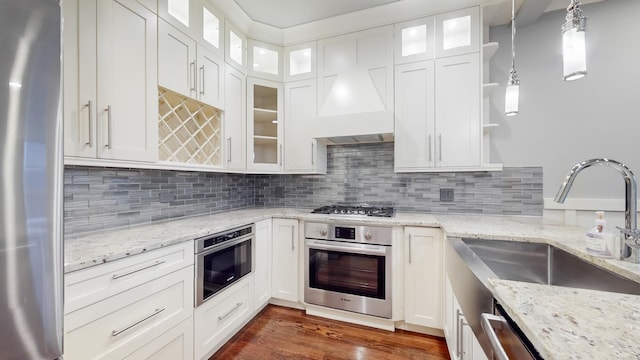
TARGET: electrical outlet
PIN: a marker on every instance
(446, 194)
(167, 197)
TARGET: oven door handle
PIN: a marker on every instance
(489, 324)
(376, 250)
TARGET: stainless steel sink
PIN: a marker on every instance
(546, 264)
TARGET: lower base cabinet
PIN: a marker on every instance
(462, 343)
(132, 323)
(218, 319)
(175, 344)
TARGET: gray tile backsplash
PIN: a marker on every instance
(103, 198)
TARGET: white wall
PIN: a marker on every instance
(562, 123)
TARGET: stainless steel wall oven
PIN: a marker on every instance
(222, 259)
(348, 267)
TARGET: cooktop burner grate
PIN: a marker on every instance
(362, 210)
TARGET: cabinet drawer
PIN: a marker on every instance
(218, 319)
(120, 325)
(175, 344)
(85, 287)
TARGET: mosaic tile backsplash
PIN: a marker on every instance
(103, 198)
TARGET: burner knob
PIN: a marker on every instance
(368, 235)
(323, 232)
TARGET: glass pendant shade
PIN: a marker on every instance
(511, 99)
(574, 60)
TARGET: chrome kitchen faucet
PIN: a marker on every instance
(629, 235)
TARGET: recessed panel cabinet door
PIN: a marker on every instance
(458, 124)
(284, 265)
(415, 116)
(210, 78)
(127, 109)
(235, 119)
(424, 279)
(176, 60)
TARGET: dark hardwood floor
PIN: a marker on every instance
(284, 333)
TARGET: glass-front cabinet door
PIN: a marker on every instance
(235, 47)
(458, 32)
(300, 62)
(265, 125)
(198, 19)
(264, 60)
(414, 40)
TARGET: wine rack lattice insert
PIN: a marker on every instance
(190, 131)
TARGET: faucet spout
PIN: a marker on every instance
(631, 196)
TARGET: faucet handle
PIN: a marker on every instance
(631, 235)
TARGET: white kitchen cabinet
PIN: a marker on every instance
(415, 116)
(265, 124)
(423, 277)
(264, 60)
(458, 122)
(175, 344)
(188, 68)
(235, 119)
(235, 43)
(461, 341)
(446, 136)
(355, 84)
(302, 152)
(198, 19)
(300, 61)
(284, 261)
(262, 269)
(120, 325)
(218, 319)
(107, 44)
(457, 32)
(414, 40)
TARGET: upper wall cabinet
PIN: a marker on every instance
(414, 40)
(189, 68)
(107, 44)
(198, 19)
(355, 84)
(265, 125)
(300, 62)
(264, 60)
(457, 32)
(235, 119)
(235, 52)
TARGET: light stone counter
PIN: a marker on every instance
(600, 323)
(566, 323)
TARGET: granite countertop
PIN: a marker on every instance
(568, 323)
(563, 323)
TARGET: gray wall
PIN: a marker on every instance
(562, 123)
(101, 198)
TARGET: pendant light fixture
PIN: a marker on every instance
(574, 60)
(513, 85)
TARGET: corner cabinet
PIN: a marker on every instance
(355, 84)
(285, 260)
(423, 277)
(107, 44)
(265, 125)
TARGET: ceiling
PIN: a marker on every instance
(284, 14)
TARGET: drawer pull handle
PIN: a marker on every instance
(489, 323)
(220, 318)
(118, 332)
(117, 276)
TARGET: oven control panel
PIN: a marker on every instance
(349, 232)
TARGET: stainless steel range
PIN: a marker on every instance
(348, 267)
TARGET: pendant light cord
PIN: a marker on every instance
(513, 35)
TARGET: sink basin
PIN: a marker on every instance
(546, 264)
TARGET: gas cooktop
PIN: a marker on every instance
(362, 210)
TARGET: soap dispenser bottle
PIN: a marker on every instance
(600, 240)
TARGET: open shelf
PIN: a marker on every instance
(488, 50)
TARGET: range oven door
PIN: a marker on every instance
(221, 266)
(348, 276)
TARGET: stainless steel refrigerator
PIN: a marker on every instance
(31, 257)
